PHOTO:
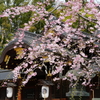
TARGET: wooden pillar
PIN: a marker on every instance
(19, 93)
(61, 89)
(13, 98)
(50, 92)
(36, 93)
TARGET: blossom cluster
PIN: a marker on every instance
(70, 40)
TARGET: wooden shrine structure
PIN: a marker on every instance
(32, 90)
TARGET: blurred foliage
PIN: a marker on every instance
(8, 28)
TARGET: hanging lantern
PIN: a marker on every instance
(45, 91)
(9, 92)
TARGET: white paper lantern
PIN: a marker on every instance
(45, 91)
(9, 92)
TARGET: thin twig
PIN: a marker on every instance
(54, 9)
(90, 20)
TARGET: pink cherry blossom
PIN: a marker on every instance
(67, 40)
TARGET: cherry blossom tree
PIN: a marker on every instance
(70, 39)
(7, 28)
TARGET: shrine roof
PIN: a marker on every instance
(6, 74)
(27, 40)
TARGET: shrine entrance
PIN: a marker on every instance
(32, 90)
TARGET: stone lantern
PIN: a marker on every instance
(77, 92)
